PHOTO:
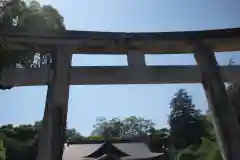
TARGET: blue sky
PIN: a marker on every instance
(25, 105)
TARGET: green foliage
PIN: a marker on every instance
(2, 151)
(184, 120)
(208, 150)
(71, 133)
(128, 127)
(111, 128)
(34, 18)
(72, 136)
(95, 138)
(159, 140)
(21, 141)
(187, 154)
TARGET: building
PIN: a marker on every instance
(112, 151)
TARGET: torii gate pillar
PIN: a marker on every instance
(224, 118)
(52, 135)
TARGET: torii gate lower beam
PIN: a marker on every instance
(52, 134)
(113, 75)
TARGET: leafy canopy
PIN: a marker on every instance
(184, 120)
(128, 127)
(31, 17)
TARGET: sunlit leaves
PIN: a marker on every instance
(128, 127)
(31, 17)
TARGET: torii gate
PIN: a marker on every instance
(62, 44)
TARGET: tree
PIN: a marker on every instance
(16, 14)
(187, 124)
(128, 127)
(21, 141)
(72, 132)
(18, 141)
(2, 151)
(208, 150)
(111, 128)
(137, 126)
(73, 136)
(159, 140)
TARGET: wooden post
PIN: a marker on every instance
(52, 135)
(225, 119)
(136, 59)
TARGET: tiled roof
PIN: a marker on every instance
(134, 150)
(79, 151)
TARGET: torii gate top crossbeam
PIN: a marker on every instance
(135, 45)
(121, 43)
